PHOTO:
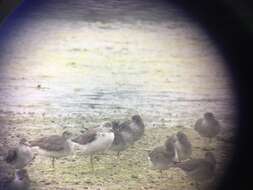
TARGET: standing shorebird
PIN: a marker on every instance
(200, 170)
(93, 141)
(21, 155)
(54, 146)
(208, 126)
(181, 145)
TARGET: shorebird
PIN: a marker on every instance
(54, 146)
(163, 157)
(20, 182)
(137, 127)
(120, 142)
(7, 174)
(181, 145)
(200, 170)
(208, 126)
(93, 141)
(21, 155)
(160, 158)
(127, 133)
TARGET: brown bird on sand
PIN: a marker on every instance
(208, 126)
(200, 170)
(54, 146)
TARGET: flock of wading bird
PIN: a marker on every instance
(116, 136)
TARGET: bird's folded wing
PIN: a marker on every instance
(197, 125)
(51, 143)
(85, 138)
(189, 165)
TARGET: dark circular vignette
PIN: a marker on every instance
(228, 24)
(230, 29)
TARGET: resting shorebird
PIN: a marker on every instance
(126, 133)
(136, 126)
(20, 182)
(54, 146)
(7, 174)
(207, 126)
(163, 157)
(160, 158)
(21, 155)
(120, 143)
(200, 170)
(92, 141)
(181, 145)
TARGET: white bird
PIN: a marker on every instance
(94, 140)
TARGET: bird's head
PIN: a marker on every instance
(67, 134)
(137, 119)
(208, 115)
(23, 141)
(181, 136)
(115, 126)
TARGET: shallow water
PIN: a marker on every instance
(112, 60)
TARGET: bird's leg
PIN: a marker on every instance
(118, 154)
(161, 173)
(53, 160)
(91, 162)
(210, 143)
(197, 185)
(205, 141)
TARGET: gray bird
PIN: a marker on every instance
(163, 157)
(120, 142)
(21, 155)
(127, 133)
(182, 146)
(137, 126)
(208, 126)
(54, 146)
(132, 130)
(20, 182)
(7, 174)
(160, 158)
(200, 170)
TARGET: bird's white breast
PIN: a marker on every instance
(102, 142)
